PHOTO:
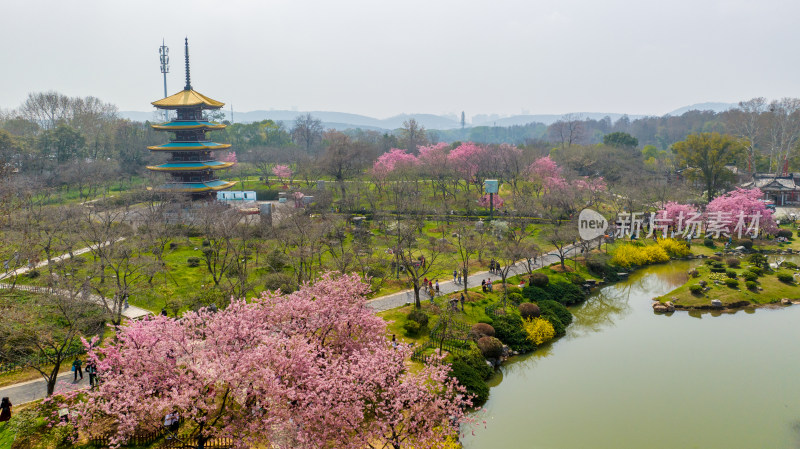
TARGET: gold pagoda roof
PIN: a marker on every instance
(186, 98)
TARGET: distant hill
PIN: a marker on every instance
(709, 106)
(343, 120)
(549, 119)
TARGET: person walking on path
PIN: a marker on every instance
(91, 369)
(462, 301)
(459, 278)
(5, 410)
(76, 369)
(455, 273)
(437, 287)
(483, 285)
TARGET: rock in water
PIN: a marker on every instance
(716, 303)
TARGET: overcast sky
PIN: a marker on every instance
(385, 57)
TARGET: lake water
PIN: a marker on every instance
(624, 377)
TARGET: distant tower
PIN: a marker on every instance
(163, 53)
(463, 118)
(191, 166)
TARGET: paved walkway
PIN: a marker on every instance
(33, 390)
(23, 270)
(404, 297)
(132, 312)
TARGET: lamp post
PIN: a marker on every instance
(163, 52)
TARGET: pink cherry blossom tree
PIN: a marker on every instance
(498, 201)
(466, 160)
(433, 161)
(306, 370)
(230, 156)
(591, 188)
(731, 207)
(283, 172)
(674, 214)
(544, 174)
(390, 162)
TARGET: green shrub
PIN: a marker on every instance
(173, 245)
(412, 328)
(758, 260)
(491, 347)
(516, 297)
(731, 274)
(694, 273)
(193, 261)
(535, 294)
(751, 285)
(561, 312)
(419, 316)
(599, 264)
(266, 194)
(733, 262)
(480, 330)
(282, 281)
(785, 277)
(33, 274)
(205, 243)
(718, 269)
(509, 330)
(758, 271)
(749, 276)
(696, 289)
(565, 292)
(528, 310)
(790, 265)
(558, 326)
(785, 233)
(276, 260)
(474, 358)
(715, 258)
(575, 278)
(708, 242)
(748, 244)
(539, 280)
(471, 379)
(732, 283)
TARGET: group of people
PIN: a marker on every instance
(487, 285)
(457, 276)
(431, 288)
(171, 422)
(494, 267)
(91, 370)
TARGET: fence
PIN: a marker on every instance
(495, 310)
(450, 335)
(145, 438)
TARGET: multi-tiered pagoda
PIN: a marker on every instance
(191, 166)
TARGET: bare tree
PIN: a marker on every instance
(561, 237)
(466, 243)
(568, 130)
(54, 324)
(747, 122)
(416, 262)
(412, 135)
(307, 131)
(784, 131)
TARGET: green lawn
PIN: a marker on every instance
(772, 291)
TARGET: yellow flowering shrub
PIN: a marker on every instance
(645, 252)
(674, 248)
(539, 330)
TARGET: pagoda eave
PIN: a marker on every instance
(196, 187)
(190, 167)
(171, 147)
(178, 126)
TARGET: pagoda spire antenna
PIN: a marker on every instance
(188, 83)
(163, 52)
